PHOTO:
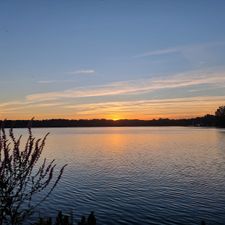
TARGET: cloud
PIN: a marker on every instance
(140, 86)
(153, 108)
(158, 52)
(197, 105)
(46, 81)
(23, 105)
(72, 100)
(83, 71)
(77, 72)
(54, 81)
(185, 50)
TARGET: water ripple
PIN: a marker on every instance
(140, 175)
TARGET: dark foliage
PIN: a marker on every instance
(220, 116)
(220, 112)
(20, 177)
(208, 120)
(62, 219)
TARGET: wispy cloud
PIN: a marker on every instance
(158, 52)
(153, 108)
(82, 71)
(134, 86)
(12, 106)
(54, 81)
(72, 100)
(195, 105)
(76, 72)
(185, 49)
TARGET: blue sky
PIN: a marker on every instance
(111, 59)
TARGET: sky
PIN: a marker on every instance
(134, 59)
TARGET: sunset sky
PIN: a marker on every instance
(116, 59)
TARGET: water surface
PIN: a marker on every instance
(150, 175)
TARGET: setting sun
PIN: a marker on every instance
(115, 118)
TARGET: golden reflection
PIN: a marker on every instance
(115, 139)
(115, 142)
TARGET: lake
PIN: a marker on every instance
(139, 175)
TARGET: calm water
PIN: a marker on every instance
(139, 176)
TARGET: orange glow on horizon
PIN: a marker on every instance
(185, 110)
(142, 110)
(129, 116)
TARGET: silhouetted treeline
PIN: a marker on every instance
(208, 120)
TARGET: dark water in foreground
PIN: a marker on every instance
(167, 175)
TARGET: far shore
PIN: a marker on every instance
(205, 121)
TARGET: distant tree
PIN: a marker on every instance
(22, 177)
(220, 112)
(220, 115)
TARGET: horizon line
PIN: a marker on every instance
(160, 118)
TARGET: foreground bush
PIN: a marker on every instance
(21, 178)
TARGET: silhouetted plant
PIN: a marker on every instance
(21, 178)
(62, 219)
(43, 221)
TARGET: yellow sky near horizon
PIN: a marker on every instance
(146, 110)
